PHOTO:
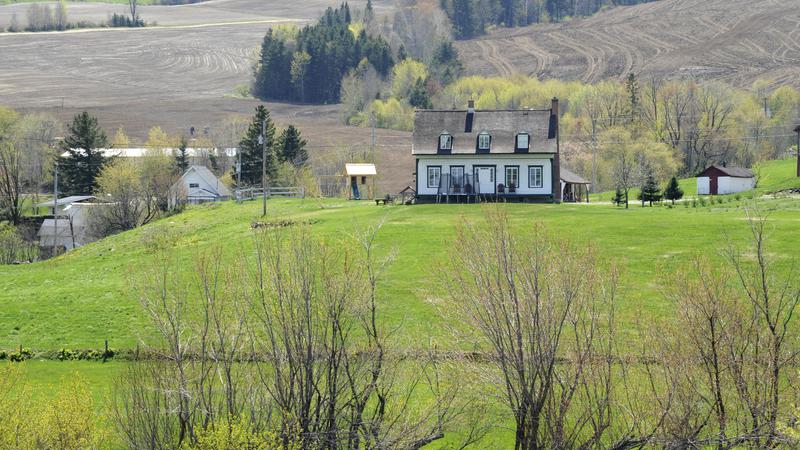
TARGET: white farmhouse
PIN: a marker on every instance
(199, 185)
(511, 155)
(717, 180)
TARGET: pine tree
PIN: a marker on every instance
(369, 13)
(418, 97)
(252, 149)
(632, 88)
(402, 54)
(292, 147)
(445, 63)
(650, 191)
(79, 169)
(619, 197)
(464, 19)
(182, 157)
(673, 191)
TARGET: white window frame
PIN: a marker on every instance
(436, 171)
(533, 183)
(515, 168)
(527, 141)
(488, 138)
(445, 141)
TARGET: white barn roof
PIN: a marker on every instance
(138, 152)
(360, 169)
(66, 201)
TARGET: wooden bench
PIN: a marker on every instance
(384, 201)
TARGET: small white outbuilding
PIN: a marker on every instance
(716, 180)
(199, 185)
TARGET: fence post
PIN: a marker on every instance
(105, 353)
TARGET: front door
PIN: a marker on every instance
(484, 180)
(714, 186)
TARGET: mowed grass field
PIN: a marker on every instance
(85, 297)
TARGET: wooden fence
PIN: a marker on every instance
(277, 191)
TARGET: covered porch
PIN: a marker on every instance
(574, 189)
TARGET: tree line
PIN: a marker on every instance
(44, 17)
(472, 18)
(135, 190)
(307, 65)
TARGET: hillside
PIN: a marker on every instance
(84, 297)
(737, 41)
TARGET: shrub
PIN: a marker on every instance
(68, 420)
(13, 248)
(20, 355)
(237, 434)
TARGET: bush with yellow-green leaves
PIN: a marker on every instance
(65, 421)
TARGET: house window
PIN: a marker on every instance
(535, 176)
(445, 142)
(523, 142)
(194, 185)
(484, 142)
(434, 176)
(512, 177)
(457, 178)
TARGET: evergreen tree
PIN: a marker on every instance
(402, 54)
(464, 20)
(632, 88)
(445, 63)
(673, 191)
(369, 12)
(273, 75)
(182, 157)
(650, 191)
(78, 170)
(619, 197)
(327, 51)
(418, 97)
(292, 147)
(251, 148)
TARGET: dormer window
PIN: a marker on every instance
(523, 143)
(445, 142)
(484, 142)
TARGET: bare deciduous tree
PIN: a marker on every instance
(545, 310)
(290, 340)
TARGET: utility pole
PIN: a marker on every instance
(594, 154)
(263, 139)
(55, 210)
(797, 130)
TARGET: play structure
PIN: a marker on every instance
(361, 180)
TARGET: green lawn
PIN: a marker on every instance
(773, 176)
(84, 297)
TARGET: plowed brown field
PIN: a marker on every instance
(737, 41)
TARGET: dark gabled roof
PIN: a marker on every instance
(502, 125)
(735, 172)
(568, 176)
